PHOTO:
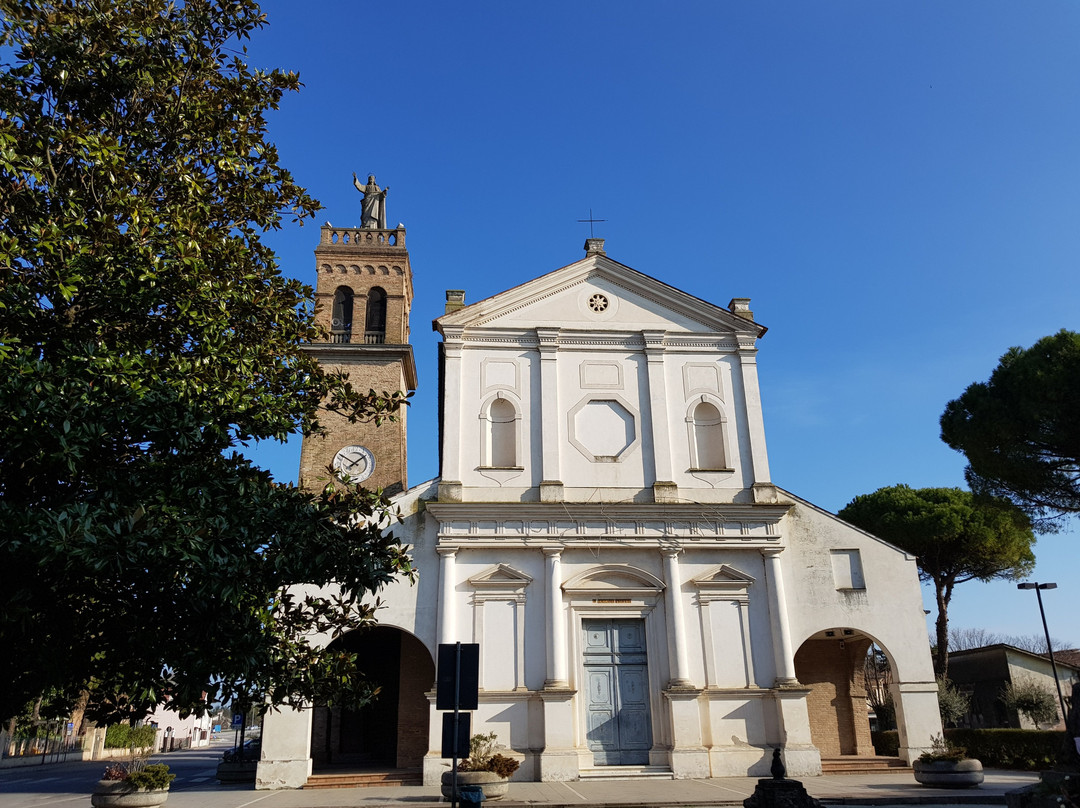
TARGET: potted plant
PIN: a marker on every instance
(134, 784)
(122, 786)
(946, 765)
(483, 768)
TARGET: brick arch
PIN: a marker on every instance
(392, 730)
(832, 669)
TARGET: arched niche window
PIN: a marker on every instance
(375, 321)
(341, 324)
(501, 434)
(707, 437)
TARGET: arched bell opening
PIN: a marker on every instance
(391, 731)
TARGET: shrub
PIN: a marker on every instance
(943, 749)
(115, 771)
(116, 736)
(952, 703)
(1023, 749)
(886, 742)
(502, 765)
(482, 757)
(1032, 700)
(153, 777)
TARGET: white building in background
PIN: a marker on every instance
(605, 526)
(174, 732)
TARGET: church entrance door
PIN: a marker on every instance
(617, 684)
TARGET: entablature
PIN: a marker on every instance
(532, 525)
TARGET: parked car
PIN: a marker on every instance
(249, 751)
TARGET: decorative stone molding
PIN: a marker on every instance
(608, 581)
(525, 525)
(605, 416)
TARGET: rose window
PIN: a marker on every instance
(598, 303)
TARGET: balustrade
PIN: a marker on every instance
(342, 336)
(362, 237)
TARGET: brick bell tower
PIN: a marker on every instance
(363, 295)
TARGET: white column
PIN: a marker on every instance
(556, 634)
(781, 633)
(676, 634)
(285, 760)
(654, 356)
(447, 592)
(550, 414)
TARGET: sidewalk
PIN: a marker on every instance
(848, 789)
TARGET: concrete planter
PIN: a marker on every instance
(237, 771)
(948, 773)
(493, 786)
(118, 794)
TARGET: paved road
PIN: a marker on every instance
(60, 783)
(70, 784)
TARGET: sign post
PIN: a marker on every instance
(457, 689)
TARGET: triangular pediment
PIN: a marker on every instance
(599, 294)
(723, 578)
(501, 576)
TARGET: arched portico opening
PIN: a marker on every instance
(392, 730)
(832, 665)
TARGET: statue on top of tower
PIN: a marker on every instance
(373, 208)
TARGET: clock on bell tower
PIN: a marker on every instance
(363, 295)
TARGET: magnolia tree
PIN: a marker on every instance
(146, 334)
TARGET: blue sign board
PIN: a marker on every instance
(237, 720)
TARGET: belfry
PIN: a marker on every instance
(363, 295)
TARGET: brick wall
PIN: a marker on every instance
(417, 677)
(386, 442)
(837, 700)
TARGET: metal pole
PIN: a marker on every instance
(1050, 651)
(457, 718)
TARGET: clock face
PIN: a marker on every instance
(355, 462)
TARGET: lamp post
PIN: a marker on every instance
(1049, 649)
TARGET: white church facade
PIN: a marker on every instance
(606, 528)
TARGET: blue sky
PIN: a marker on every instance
(895, 185)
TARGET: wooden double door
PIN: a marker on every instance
(618, 730)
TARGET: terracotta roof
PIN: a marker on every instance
(1070, 656)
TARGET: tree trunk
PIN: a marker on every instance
(943, 594)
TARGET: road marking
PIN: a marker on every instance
(252, 802)
(575, 793)
(57, 802)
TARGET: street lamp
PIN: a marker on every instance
(1049, 649)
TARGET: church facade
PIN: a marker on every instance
(605, 526)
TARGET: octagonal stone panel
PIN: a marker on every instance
(604, 430)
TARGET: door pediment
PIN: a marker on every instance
(610, 581)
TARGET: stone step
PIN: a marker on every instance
(626, 773)
(364, 779)
(851, 764)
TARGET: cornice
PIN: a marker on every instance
(587, 339)
(360, 352)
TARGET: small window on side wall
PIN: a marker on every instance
(847, 569)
